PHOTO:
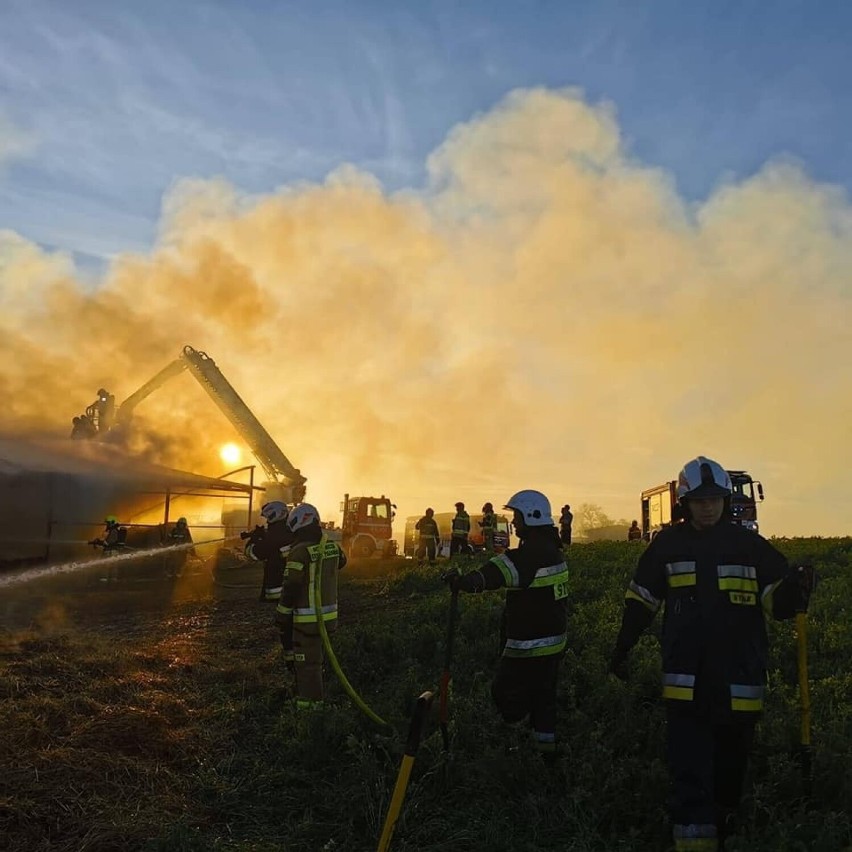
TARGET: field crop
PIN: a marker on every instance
(161, 730)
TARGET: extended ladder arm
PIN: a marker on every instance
(275, 464)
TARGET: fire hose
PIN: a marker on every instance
(332, 658)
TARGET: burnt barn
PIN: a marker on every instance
(55, 495)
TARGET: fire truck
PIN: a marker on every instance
(660, 507)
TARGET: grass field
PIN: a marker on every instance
(169, 727)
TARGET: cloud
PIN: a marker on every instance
(15, 143)
(547, 312)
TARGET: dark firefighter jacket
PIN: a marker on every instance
(115, 537)
(428, 528)
(311, 552)
(716, 585)
(265, 545)
(488, 522)
(535, 576)
(461, 524)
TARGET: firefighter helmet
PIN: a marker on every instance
(111, 520)
(460, 505)
(533, 506)
(274, 511)
(181, 521)
(487, 508)
(703, 477)
(302, 516)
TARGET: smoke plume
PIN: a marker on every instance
(546, 312)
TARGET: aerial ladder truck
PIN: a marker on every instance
(285, 482)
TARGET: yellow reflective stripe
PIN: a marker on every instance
(295, 566)
(507, 569)
(284, 610)
(748, 705)
(677, 580)
(678, 693)
(643, 595)
(308, 616)
(737, 584)
(542, 647)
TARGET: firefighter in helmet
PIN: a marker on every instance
(460, 531)
(717, 580)
(535, 618)
(268, 545)
(427, 526)
(175, 561)
(296, 615)
(488, 524)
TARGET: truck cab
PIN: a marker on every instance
(367, 526)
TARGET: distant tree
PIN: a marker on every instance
(590, 516)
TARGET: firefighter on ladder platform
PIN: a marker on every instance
(534, 621)
(296, 614)
(717, 579)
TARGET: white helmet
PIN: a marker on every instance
(274, 511)
(533, 505)
(703, 477)
(302, 515)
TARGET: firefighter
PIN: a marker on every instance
(427, 526)
(296, 614)
(113, 541)
(460, 531)
(488, 524)
(717, 580)
(175, 561)
(566, 519)
(634, 533)
(268, 545)
(534, 620)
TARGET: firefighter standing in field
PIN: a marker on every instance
(634, 533)
(566, 520)
(427, 526)
(460, 531)
(488, 525)
(265, 545)
(717, 580)
(296, 614)
(535, 619)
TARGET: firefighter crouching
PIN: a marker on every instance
(265, 545)
(296, 614)
(534, 622)
(717, 580)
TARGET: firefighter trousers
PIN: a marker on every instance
(526, 686)
(308, 656)
(707, 764)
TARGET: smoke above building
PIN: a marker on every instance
(544, 312)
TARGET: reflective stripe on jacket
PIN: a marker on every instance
(298, 598)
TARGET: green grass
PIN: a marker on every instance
(178, 734)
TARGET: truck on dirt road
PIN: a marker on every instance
(660, 508)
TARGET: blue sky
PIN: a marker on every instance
(105, 103)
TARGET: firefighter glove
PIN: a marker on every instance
(806, 579)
